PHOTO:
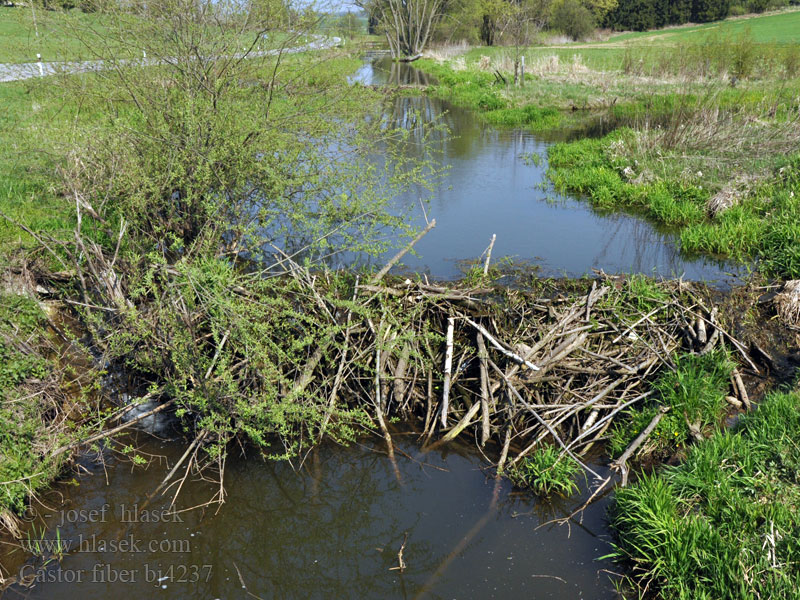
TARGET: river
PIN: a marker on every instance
(495, 184)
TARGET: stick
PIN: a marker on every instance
(489, 255)
(338, 379)
(742, 391)
(549, 429)
(402, 253)
(175, 468)
(504, 453)
(448, 368)
(620, 463)
(485, 420)
(460, 426)
(513, 356)
(401, 564)
(114, 430)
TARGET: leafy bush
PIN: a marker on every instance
(573, 18)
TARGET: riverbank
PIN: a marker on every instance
(700, 138)
(724, 523)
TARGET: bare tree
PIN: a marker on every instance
(517, 24)
(407, 24)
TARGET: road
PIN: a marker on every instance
(18, 72)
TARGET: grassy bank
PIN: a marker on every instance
(704, 130)
(778, 27)
(51, 33)
(725, 523)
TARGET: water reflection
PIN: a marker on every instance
(495, 186)
(333, 530)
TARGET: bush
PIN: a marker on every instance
(573, 18)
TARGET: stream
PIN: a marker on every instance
(330, 529)
(333, 526)
(497, 184)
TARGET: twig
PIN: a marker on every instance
(393, 261)
(448, 369)
(621, 463)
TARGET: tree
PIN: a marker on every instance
(600, 8)
(641, 15)
(705, 11)
(407, 24)
(572, 18)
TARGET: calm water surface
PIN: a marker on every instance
(331, 529)
(494, 187)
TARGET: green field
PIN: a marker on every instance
(52, 36)
(74, 35)
(782, 28)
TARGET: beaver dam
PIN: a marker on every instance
(538, 379)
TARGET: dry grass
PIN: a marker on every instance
(732, 137)
(787, 303)
(447, 51)
(733, 192)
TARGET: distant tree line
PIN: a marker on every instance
(640, 15)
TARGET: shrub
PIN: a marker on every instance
(573, 18)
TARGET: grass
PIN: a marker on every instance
(54, 40)
(782, 27)
(724, 524)
(675, 186)
(695, 394)
(74, 35)
(546, 471)
(36, 119)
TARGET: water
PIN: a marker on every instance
(332, 529)
(494, 187)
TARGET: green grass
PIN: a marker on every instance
(783, 27)
(36, 119)
(75, 35)
(546, 471)
(695, 394)
(675, 192)
(20, 42)
(724, 524)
